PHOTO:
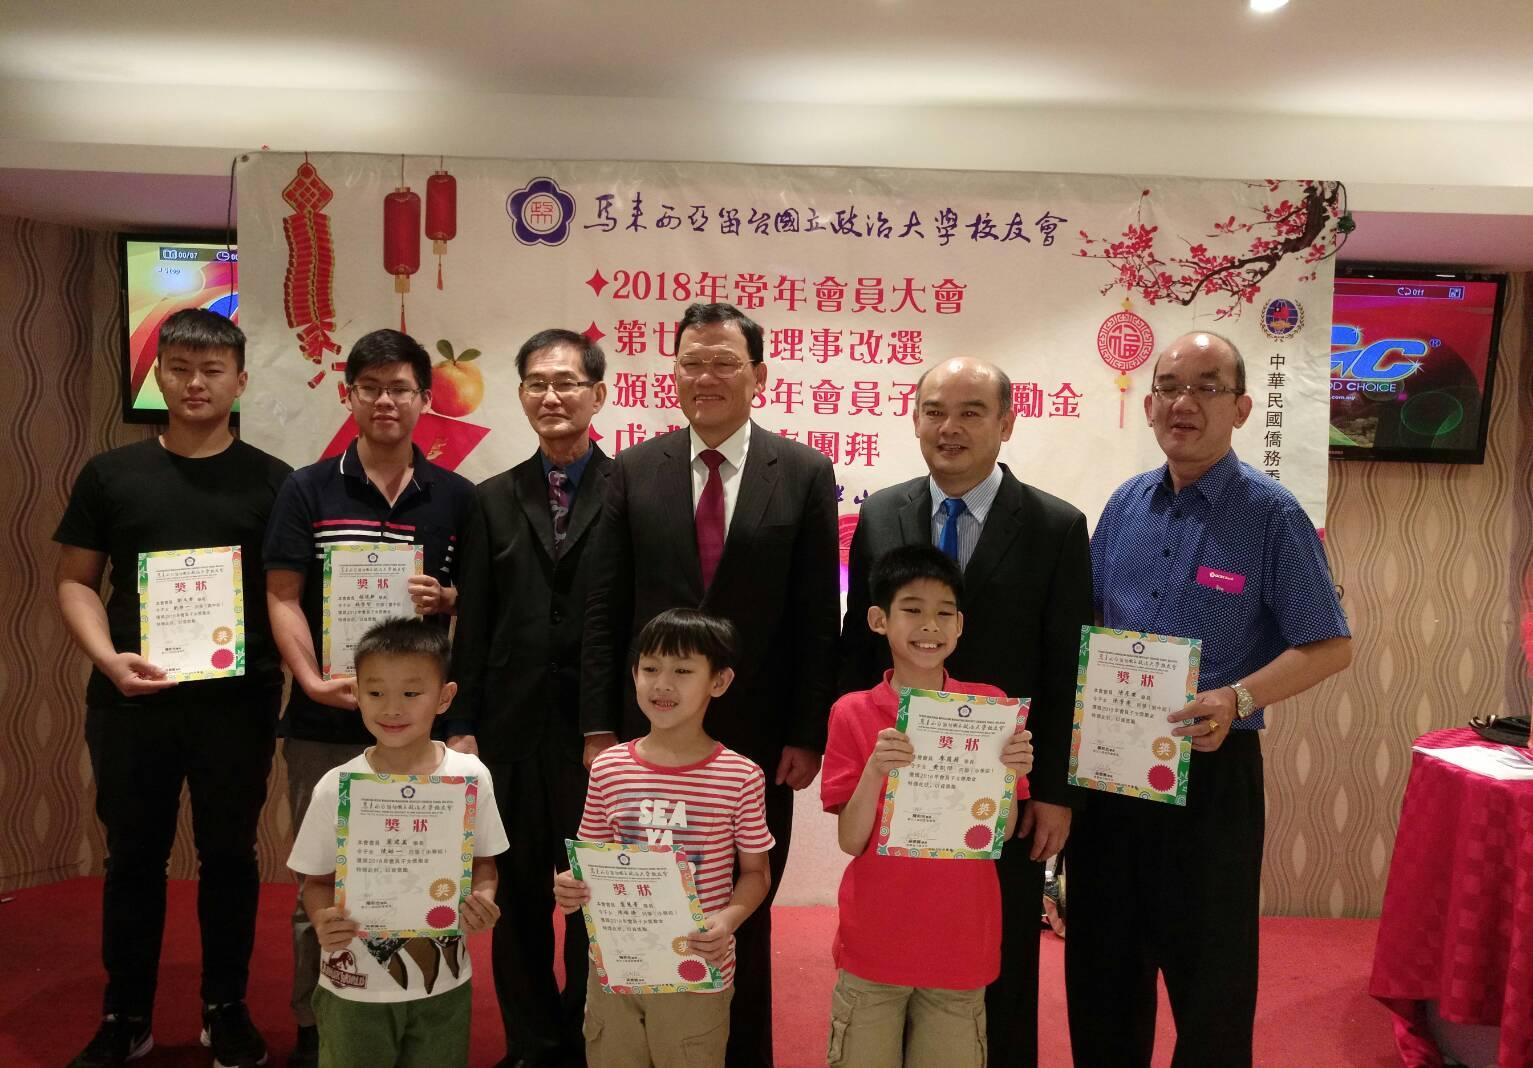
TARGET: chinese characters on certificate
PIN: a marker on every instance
(405, 851)
(1128, 684)
(643, 905)
(952, 801)
(364, 584)
(192, 612)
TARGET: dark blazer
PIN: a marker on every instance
(516, 653)
(1027, 593)
(777, 582)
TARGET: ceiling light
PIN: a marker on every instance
(1266, 7)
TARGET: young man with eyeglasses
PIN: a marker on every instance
(1204, 547)
(516, 660)
(381, 489)
(729, 517)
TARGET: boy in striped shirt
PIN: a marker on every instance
(676, 786)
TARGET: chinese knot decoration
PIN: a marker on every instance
(402, 238)
(308, 288)
(441, 214)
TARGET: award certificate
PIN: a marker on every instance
(1128, 683)
(364, 585)
(404, 857)
(643, 905)
(952, 801)
(191, 612)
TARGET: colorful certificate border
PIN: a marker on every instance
(1176, 796)
(470, 785)
(324, 606)
(892, 782)
(715, 979)
(238, 667)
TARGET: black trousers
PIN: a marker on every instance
(1153, 887)
(540, 802)
(140, 756)
(750, 1014)
(1011, 1002)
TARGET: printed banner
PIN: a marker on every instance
(404, 857)
(860, 278)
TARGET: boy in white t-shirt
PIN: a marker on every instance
(676, 786)
(402, 1002)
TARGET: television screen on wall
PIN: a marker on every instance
(162, 274)
(1413, 362)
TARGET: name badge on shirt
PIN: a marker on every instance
(1224, 581)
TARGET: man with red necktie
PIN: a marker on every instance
(756, 542)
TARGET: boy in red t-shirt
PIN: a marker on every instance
(919, 940)
(676, 786)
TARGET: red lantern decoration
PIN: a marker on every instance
(441, 215)
(402, 238)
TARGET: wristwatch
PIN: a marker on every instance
(1244, 703)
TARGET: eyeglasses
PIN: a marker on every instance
(1203, 393)
(564, 387)
(693, 367)
(369, 394)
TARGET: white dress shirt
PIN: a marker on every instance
(971, 523)
(734, 449)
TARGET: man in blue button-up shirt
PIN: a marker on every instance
(1203, 547)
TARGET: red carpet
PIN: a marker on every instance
(1314, 1009)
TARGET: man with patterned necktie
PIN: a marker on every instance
(1027, 582)
(516, 659)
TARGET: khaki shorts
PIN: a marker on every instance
(874, 1025)
(661, 1030)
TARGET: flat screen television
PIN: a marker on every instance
(162, 274)
(1413, 363)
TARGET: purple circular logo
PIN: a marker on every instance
(540, 213)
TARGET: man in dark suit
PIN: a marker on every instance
(516, 659)
(1027, 579)
(735, 520)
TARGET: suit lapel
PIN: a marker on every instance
(916, 515)
(532, 494)
(588, 502)
(757, 482)
(1002, 527)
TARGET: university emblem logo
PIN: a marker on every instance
(541, 213)
(1282, 318)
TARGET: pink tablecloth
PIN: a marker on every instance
(1457, 925)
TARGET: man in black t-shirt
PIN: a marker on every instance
(381, 489)
(194, 487)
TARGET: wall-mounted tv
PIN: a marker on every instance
(1413, 362)
(162, 274)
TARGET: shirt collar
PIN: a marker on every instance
(889, 697)
(572, 471)
(1214, 482)
(977, 501)
(351, 464)
(733, 447)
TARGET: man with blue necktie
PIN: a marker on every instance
(1027, 578)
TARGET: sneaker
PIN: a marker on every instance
(233, 1038)
(120, 1039)
(306, 1050)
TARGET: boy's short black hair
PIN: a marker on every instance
(383, 347)
(405, 636)
(688, 632)
(200, 330)
(898, 568)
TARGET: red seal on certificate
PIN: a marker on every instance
(222, 658)
(441, 917)
(692, 971)
(1162, 779)
(978, 837)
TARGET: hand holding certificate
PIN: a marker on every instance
(952, 801)
(1129, 683)
(364, 585)
(405, 852)
(191, 612)
(642, 907)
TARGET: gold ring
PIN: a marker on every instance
(1213, 725)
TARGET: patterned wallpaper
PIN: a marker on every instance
(1433, 562)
